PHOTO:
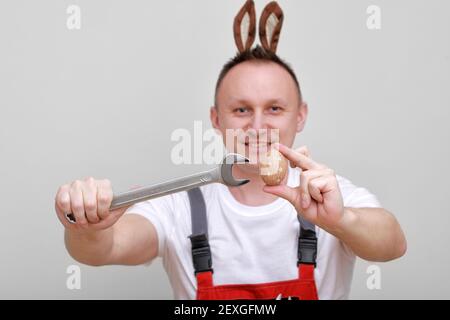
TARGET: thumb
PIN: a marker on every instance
(283, 191)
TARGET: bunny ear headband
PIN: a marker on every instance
(270, 23)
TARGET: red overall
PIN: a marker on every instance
(303, 287)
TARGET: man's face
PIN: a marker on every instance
(261, 100)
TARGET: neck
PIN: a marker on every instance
(251, 193)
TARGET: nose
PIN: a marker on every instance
(258, 121)
(260, 127)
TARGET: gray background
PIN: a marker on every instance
(102, 101)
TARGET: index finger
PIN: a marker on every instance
(297, 158)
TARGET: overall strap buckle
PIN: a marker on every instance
(307, 247)
(201, 253)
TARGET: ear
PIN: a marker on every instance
(214, 117)
(270, 25)
(302, 116)
(244, 27)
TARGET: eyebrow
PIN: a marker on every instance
(279, 101)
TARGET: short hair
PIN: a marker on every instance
(257, 54)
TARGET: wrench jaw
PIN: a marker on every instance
(227, 169)
(233, 158)
(239, 182)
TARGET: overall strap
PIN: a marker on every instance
(201, 252)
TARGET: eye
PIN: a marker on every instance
(241, 110)
(275, 109)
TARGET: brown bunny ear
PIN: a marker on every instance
(244, 27)
(270, 26)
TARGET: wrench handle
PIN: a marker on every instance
(160, 189)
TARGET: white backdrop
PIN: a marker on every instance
(103, 101)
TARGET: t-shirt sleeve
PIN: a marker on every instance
(159, 212)
(355, 196)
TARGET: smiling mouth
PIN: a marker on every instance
(255, 149)
(257, 141)
(258, 145)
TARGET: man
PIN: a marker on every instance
(252, 229)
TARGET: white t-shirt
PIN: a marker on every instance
(249, 244)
